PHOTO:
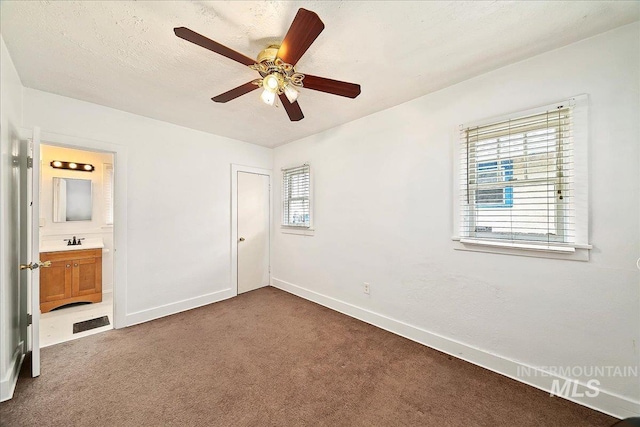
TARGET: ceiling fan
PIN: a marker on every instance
(275, 64)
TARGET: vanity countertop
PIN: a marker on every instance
(59, 246)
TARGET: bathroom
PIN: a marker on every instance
(76, 236)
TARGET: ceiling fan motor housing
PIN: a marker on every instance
(268, 63)
(269, 54)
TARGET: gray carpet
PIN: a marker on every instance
(267, 358)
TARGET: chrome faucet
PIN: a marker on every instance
(74, 241)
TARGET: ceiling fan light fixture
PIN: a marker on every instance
(268, 97)
(271, 82)
(291, 93)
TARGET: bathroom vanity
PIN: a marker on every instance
(75, 275)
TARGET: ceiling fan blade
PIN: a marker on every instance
(305, 28)
(200, 40)
(235, 92)
(293, 110)
(335, 87)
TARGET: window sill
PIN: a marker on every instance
(574, 253)
(299, 231)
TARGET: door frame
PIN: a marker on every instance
(119, 211)
(234, 217)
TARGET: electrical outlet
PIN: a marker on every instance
(366, 288)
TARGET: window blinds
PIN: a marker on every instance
(517, 179)
(108, 193)
(295, 196)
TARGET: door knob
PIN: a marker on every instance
(34, 265)
(242, 239)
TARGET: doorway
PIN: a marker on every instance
(251, 228)
(76, 235)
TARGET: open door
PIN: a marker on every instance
(29, 190)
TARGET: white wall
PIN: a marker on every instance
(178, 200)
(97, 227)
(383, 215)
(10, 119)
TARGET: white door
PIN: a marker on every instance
(253, 231)
(27, 185)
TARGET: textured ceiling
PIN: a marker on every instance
(123, 54)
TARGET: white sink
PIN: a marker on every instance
(61, 245)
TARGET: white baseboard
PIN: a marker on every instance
(8, 383)
(177, 307)
(607, 402)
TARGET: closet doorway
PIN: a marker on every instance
(251, 227)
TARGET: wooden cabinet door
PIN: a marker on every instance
(55, 281)
(87, 276)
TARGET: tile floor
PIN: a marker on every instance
(57, 326)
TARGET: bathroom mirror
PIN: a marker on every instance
(71, 199)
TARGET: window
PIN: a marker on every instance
(517, 181)
(107, 192)
(296, 209)
(491, 172)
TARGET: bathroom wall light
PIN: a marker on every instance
(81, 167)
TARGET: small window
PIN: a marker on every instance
(516, 179)
(495, 172)
(108, 193)
(296, 189)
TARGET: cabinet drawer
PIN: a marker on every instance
(70, 255)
